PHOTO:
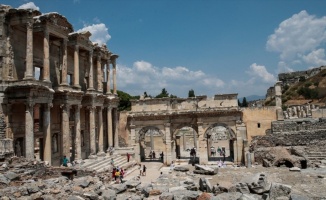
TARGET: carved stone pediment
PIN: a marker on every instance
(54, 19)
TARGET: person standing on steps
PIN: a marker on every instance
(65, 161)
(128, 156)
(140, 170)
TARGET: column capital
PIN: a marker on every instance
(65, 106)
(29, 104)
(76, 47)
(91, 108)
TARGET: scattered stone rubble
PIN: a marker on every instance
(23, 180)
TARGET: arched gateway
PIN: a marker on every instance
(160, 124)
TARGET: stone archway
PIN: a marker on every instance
(150, 138)
(220, 137)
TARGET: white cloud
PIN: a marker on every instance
(143, 76)
(99, 33)
(315, 58)
(296, 36)
(261, 72)
(29, 5)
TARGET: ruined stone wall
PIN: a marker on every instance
(124, 132)
(258, 120)
(298, 125)
(300, 138)
(293, 77)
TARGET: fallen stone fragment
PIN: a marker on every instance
(75, 198)
(166, 196)
(295, 169)
(119, 188)
(279, 190)
(91, 195)
(181, 169)
(257, 183)
(227, 196)
(11, 176)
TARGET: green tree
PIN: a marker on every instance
(239, 103)
(164, 93)
(244, 102)
(191, 93)
(124, 100)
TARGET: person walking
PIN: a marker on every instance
(140, 170)
(128, 156)
(223, 154)
(154, 156)
(112, 162)
(121, 175)
(113, 173)
(144, 170)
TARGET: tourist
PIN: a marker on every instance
(113, 173)
(219, 150)
(121, 175)
(117, 175)
(140, 170)
(223, 154)
(162, 156)
(151, 154)
(172, 166)
(220, 164)
(144, 170)
(212, 151)
(112, 162)
(128, 156)
(154, 156)
(65, 161)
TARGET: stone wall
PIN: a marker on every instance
(290, 126)
(258, 120)
(293, 77)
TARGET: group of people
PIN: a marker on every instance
(118, 174)
(219, 151)
(142, 170)
(152, 154)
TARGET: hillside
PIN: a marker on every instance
(305, 90)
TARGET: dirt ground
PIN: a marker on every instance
(311, 182)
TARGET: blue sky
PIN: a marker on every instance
(210, 46)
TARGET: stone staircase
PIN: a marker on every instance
(103, 163)
(316, 154)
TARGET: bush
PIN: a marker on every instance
(308, 93)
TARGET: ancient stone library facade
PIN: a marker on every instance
(55, 91)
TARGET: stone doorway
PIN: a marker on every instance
(185, 139)
(220, 138)
(151, 144)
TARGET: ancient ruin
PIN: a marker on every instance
(55, 90)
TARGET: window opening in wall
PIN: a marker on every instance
(55, 146)
(82, 142)
(258, 125)
(105, 74)
(37, 73)
(69, 79)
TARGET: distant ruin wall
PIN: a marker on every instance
(298, 125)
(301, 138)
(293, 77)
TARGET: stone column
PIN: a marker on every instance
(202, 148)
(29, 75)
(47, 133)
(99, 74)
(64, 62)
(239, 144)
(91, 74)
(108, 88)
(109, 122)
(168, 153)
(46, 57)
(116, 131)
(114, 76)
(29, 130)
(77, 132)
(278, 100)
(92, 133)
(100, 124)
(66, 140)
(135, 143)
(76, 67)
